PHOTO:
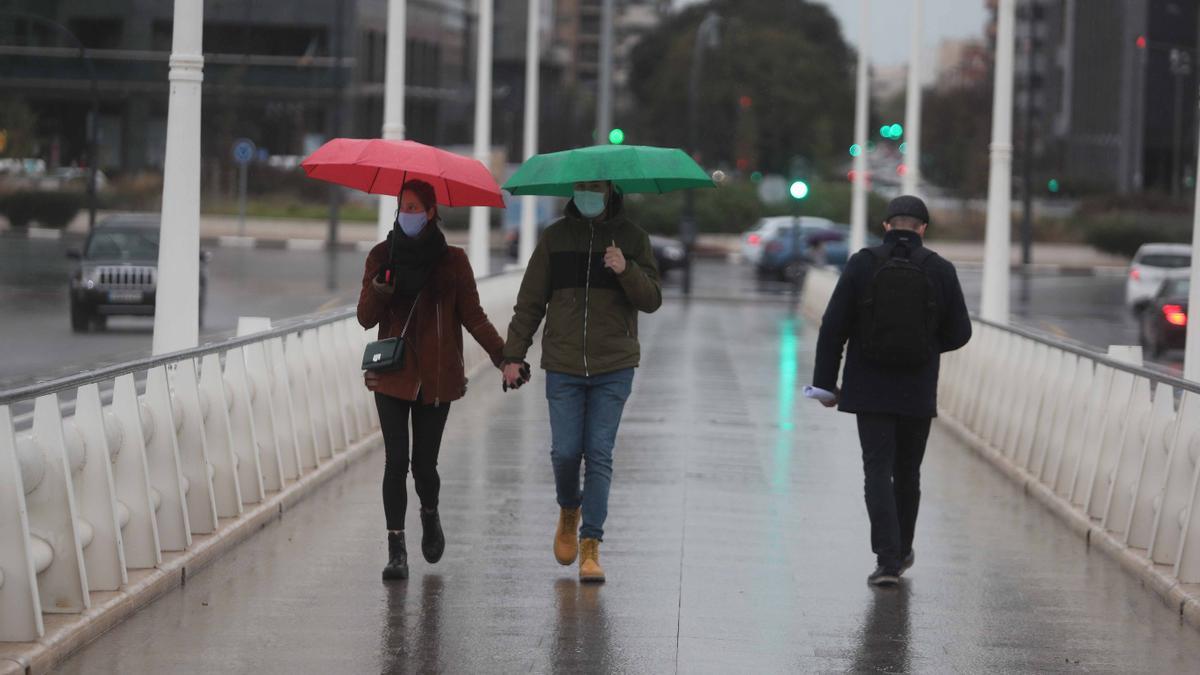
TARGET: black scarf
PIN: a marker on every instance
(414, 259)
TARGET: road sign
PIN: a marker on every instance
(243, 151)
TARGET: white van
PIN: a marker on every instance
(1152, 265)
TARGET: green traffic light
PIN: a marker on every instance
(885, 131)
(799, 190)
(616, 136)
(897, 130)
(1052, 185)
(756, 177)
(855, 150)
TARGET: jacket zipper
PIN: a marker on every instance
(438, 387)
(587, 287)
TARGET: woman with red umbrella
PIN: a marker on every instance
(418, 288)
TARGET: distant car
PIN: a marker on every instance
(754, 240)
(1164, 318)
(669, 253)
(117, 272)
(785, 255)
(1152, 265)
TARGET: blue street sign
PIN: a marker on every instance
(243, 150)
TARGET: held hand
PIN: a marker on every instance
(512, 376)
(837, 396)
(384, 288)
(614, 259)
(371, 379)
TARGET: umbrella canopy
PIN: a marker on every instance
(379, 166)
(633, 168)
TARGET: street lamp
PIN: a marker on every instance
(707, 37)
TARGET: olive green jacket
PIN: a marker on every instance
(591, 312)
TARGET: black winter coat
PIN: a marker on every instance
(868, 387)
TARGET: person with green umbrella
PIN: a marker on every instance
(589, 276)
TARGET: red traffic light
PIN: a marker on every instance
(1141, 42)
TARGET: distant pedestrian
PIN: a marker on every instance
(900, 306)
(590, 275)
(418, 288)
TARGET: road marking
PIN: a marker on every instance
(330, 304)
(230, 241)
(305, 244)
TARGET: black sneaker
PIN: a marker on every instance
(883, 577)
(433, 542)
(908, 561)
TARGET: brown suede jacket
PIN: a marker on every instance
(433, 363)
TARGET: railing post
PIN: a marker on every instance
(20, 608)
(95, 492)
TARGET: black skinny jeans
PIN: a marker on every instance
(428, 423)
(892, 449)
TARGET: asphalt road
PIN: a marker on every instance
(36, 341)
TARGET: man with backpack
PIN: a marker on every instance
(900, 306)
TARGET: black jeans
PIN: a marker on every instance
(892, 449)
(428, 423)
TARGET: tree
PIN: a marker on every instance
(787, 56)
(956, 128)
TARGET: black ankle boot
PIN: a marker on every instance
(433, 542)
(397, 566)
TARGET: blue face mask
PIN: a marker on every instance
(412, 223)
(590, 204)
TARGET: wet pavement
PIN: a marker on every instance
(737, 541)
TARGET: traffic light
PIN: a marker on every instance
(897, 131)
(1052, 185)
(616, 136)
(855, 150)
(799, 190)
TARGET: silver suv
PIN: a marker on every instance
(118, 272)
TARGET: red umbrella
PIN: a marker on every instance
(379, 166)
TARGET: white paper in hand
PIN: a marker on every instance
(819, 394)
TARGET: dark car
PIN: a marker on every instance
(117, 272)
(1164, 324)
(669, 253)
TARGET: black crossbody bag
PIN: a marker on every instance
(382, 356)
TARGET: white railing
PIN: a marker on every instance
(1112, 446)
(92, 490)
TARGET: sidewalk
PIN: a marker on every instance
(736, 542)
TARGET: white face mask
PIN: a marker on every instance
(412, 223)
(590, 204)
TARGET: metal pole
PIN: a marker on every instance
(912, 105)
(1027, 141)
(339, 41)
(604, 94)
(393, 100)
(687, 225)
(177, 306)
(995, 301)
(858, 199)
(1191, 355)
(528, 234)
(478, 243)
(242, 199)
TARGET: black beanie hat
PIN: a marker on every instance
(907, 205)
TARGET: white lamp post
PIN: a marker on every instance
(858, 199)
(477, 246)
(393, 98)
(994, 304)
(912, 106)
(177, 300)
(528, 235)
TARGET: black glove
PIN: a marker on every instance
(525, 373)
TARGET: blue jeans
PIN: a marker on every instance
(584, 415)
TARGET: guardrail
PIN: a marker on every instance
(219, 430)
(1112, 446)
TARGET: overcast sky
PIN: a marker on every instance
(889, 25)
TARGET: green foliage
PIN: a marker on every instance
(790, 60)
(956, 130)
(47, 208)
(1123, 233)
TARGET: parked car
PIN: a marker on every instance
(823, 242)
(785, 255)
(669, 253)
(117, 272)
(1152, 265)
(1164, 319)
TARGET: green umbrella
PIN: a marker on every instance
(633, 168)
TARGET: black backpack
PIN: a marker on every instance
(899, 314)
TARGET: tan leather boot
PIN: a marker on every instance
(589, 561)
(566, 538)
